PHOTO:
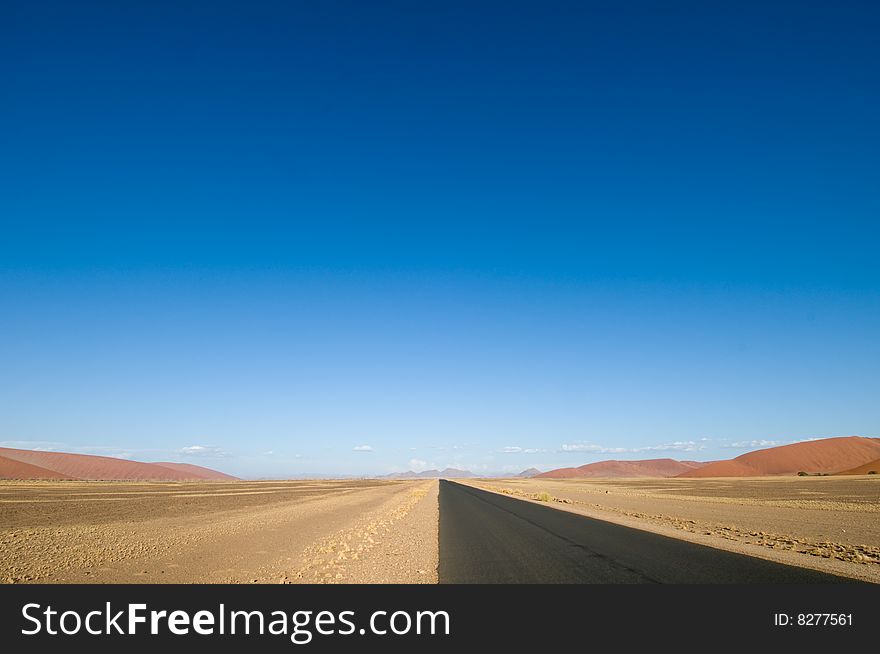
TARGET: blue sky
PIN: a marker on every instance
(280, 239)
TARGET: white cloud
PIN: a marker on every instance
(362, 448)
(741, 445)
(676, 446)
(470, 467)
(55, 446)
(202, 450)
(591, 447)
(418, 465)
(39, 446)
(514, 449)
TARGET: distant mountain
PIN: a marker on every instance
(530, 472)
(824, 456)
(33, 464)
(448, 473)
(644, 468)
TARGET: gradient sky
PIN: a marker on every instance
(281, 238)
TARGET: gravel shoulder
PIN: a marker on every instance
(396, 544)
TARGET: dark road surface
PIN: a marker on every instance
(490, 538)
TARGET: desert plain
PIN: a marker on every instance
(386, 531)
(218, 532)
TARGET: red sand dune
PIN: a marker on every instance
(872, 467)
(12, 469)
(195, 472)
(828, 455)
(60, 465)
(645, 468)
(560, 473)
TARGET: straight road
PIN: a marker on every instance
(490, 538)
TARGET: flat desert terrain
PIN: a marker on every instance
(215, 532)
(830, 524)
(386, 531)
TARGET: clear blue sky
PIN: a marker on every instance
(258, 236)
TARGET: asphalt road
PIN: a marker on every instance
(490, 538)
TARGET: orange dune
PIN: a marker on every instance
(872, 467)
(825, 456)
(61, 465)
(644, 468)
(195, 472)
(12, 469)
(561, 473)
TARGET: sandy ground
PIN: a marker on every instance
(365, 531)
(826, 523)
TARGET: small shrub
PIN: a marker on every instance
(543, 496)
(872, 472)
(803, 474)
